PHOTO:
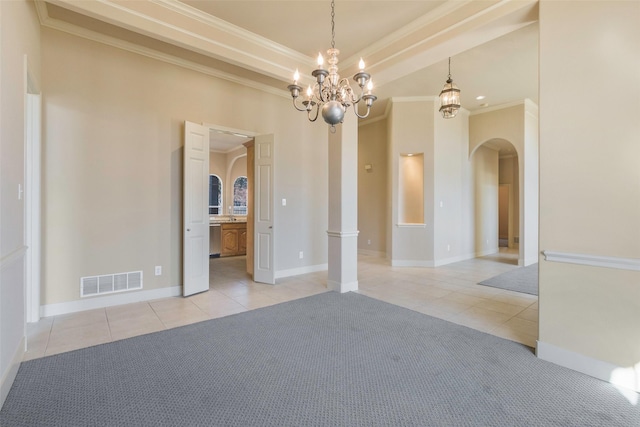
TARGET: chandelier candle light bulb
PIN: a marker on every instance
(330, 93)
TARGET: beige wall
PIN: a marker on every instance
(453, 203)
(113, 163)
(237, 167)
(590, 181)
(19, 36)
(218, 165)
(411, 131)
(485, 181)
(373, 188)
(460, 193)
(411, 189)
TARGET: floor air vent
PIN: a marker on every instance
(110, 283)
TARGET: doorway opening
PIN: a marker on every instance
(228, 204)
(498, 201)
(258, 236)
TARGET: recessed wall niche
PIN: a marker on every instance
(411, 191)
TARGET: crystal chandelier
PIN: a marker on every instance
(449, 98)
(331, 94)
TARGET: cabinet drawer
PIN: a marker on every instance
(234, 225)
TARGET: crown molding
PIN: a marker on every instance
(470, 23)
(47, 21)
(215, 22)
(397, 36)
(181, 25)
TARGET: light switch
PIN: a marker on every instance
(284, 202)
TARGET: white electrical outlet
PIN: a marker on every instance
(368, 241)
(158, 270)
(284, 202)
(301, 255)
(448, 248)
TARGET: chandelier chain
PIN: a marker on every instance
(333, 25)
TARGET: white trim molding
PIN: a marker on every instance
(342, 234)
(626, 377)
(160, 56)
(108, 301)
(301, 270)
(411, 225)
(632, 264)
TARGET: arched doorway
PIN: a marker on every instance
(497, 200)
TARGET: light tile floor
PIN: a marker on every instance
(449, 292)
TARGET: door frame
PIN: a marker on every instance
(249, 134)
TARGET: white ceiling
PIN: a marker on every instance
(493, 43)
(226, 141)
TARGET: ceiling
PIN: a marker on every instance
(493, 44)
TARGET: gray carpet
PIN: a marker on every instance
(325, 360)
(522, 279)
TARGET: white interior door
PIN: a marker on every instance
(32, 205)
(263, 264)
(195, 209)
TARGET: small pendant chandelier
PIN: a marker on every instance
(449, 98)
(331, 94)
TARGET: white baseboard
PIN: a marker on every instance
(108, 301)
(301, 270)
(625, 377)
(332, 285)
(12, 370)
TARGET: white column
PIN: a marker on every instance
(343, 206)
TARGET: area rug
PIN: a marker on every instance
(327, 360)
(522, 279)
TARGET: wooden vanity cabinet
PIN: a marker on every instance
(234, 239)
